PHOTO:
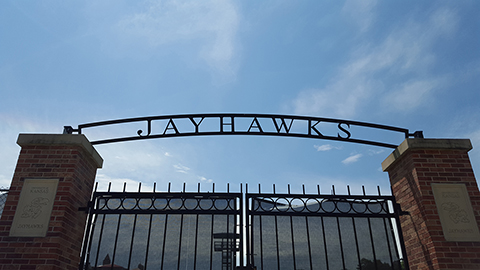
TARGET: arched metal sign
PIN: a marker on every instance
(246, 124)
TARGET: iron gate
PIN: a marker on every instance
(237, 230)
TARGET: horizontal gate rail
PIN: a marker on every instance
(161, 203)
(325, 205)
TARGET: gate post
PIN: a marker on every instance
(41, 227)
(433, 180)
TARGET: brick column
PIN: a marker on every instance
(413, 167)
(73, 161)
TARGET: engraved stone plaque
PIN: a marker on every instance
(34, 208)
(456, 212)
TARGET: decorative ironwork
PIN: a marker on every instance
(242, 230)
(175, 203)
(246, 124)
(307, 231)
(331, 205)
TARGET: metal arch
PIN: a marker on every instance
(281, 124)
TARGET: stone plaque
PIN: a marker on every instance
(456, 212)
(34, 208)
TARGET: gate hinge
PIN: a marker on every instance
(86, 208)
(400, 211)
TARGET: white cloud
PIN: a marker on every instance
(204, 179)
(325, 147)
(117, 184)
(375, 74)
(376, 152)
(181, 169)
(410, 95)
(209, 27)
(352, 159)
(10, 127)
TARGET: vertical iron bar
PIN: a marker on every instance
(395, 241)
(196, 233)
(134, 226)
(309, 244)
(211, 241)
(276, 237)
(400, 234)
(196, 240)
(291, 231)
(395, 213)
(131, 242)
(340, 241)
(388, 242)
(371, 236)
(324, 243)
(356, 237)
(164, 235)
(87, 242)
(149, 229)
(180, 241)
(118, 229)
(373, 245)
(248, 227)
(241, 208)
(100, 240)
(293, 243)
(116, 239)
(308, 235)
(86, 251)
(148, 237)
(261, 239)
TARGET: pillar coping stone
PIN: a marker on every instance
(421, 143)
(61, 139)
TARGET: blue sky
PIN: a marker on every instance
(411, 64)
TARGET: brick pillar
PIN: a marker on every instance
(72, 162)
(416, 168)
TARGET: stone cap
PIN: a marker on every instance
(421, 143)
(61, 139)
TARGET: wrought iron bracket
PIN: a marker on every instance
(416, 134)
(87, 208)
(400, 211)
(69, 130)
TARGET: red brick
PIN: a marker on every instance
(56, 251)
